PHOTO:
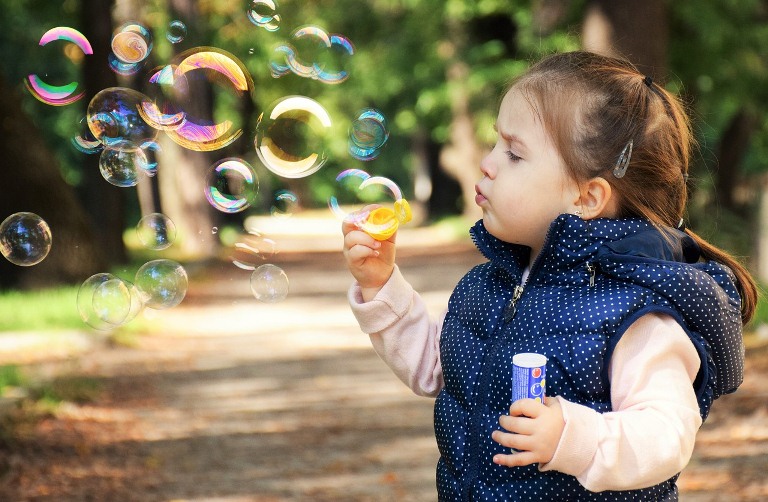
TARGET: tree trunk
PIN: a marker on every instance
(638, 31)
(731, 150)
(182, 172)
(462, 155)
(104, 203)
(32, 182)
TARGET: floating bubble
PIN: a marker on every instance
(177, 30)
(252, 249)
(290, 136)
(156, 231)
(112, 301)
(58, 95)
(211, 66)
(284, 203)
(269, 283)
(263, 13)
(85, 301)
(104, 301)
(161, 283)
(313, 53)
(114, 119)
(132, 43)
(148, 161)
(25, 239)
(123, 68)
(84, 141)
(121, 168)
(367, 134)
(231, 185)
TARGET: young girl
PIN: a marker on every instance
(590, 264)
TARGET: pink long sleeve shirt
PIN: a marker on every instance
(652, 370)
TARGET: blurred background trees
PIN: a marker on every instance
(435, 68)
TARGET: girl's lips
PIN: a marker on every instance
(479, 198)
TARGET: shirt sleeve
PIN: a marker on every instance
(402, 333)
(649, 437)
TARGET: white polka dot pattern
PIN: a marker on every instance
(575, 323)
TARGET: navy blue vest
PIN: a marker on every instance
(590, 282)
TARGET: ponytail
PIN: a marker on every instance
(744, 282)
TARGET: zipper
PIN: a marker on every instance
(511, 309)
(592, 269)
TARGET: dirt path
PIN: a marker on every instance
(237, 400)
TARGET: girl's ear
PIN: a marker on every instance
(596, 199)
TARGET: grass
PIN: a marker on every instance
(54, 308)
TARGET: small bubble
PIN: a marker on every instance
(269, 283)
(156, 231)
(177, 30)
(25, 239)
(161, 283)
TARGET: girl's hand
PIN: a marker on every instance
(371, 262)
(534, 430)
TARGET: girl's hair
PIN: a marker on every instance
(592, 106)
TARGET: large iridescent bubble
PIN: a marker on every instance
(114, 119)
(291, 135)
(214, 69)
(58, 95)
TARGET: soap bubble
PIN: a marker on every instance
(314, 53)
(210, 66)
(156, 231)
(290, 136)
(161, 283)
(84, 141)
(367, 134)
(177, 30)
(263, 13)
(58, 95)
(253, 249)
(121, 168)
(25, 239)
(114, 119)
(231, 185)
(104, 301)
(148, 161)
(112, 301)
(284, 203)
(269, 283)
(132, 43)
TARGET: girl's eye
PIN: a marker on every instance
(512, 156)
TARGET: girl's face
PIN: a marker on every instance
(525, 184)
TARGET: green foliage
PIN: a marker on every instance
(39, 310)
(10, 376)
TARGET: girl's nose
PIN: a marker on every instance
(486, 166)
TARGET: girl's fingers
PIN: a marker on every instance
(519, 425)
(515, 459)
